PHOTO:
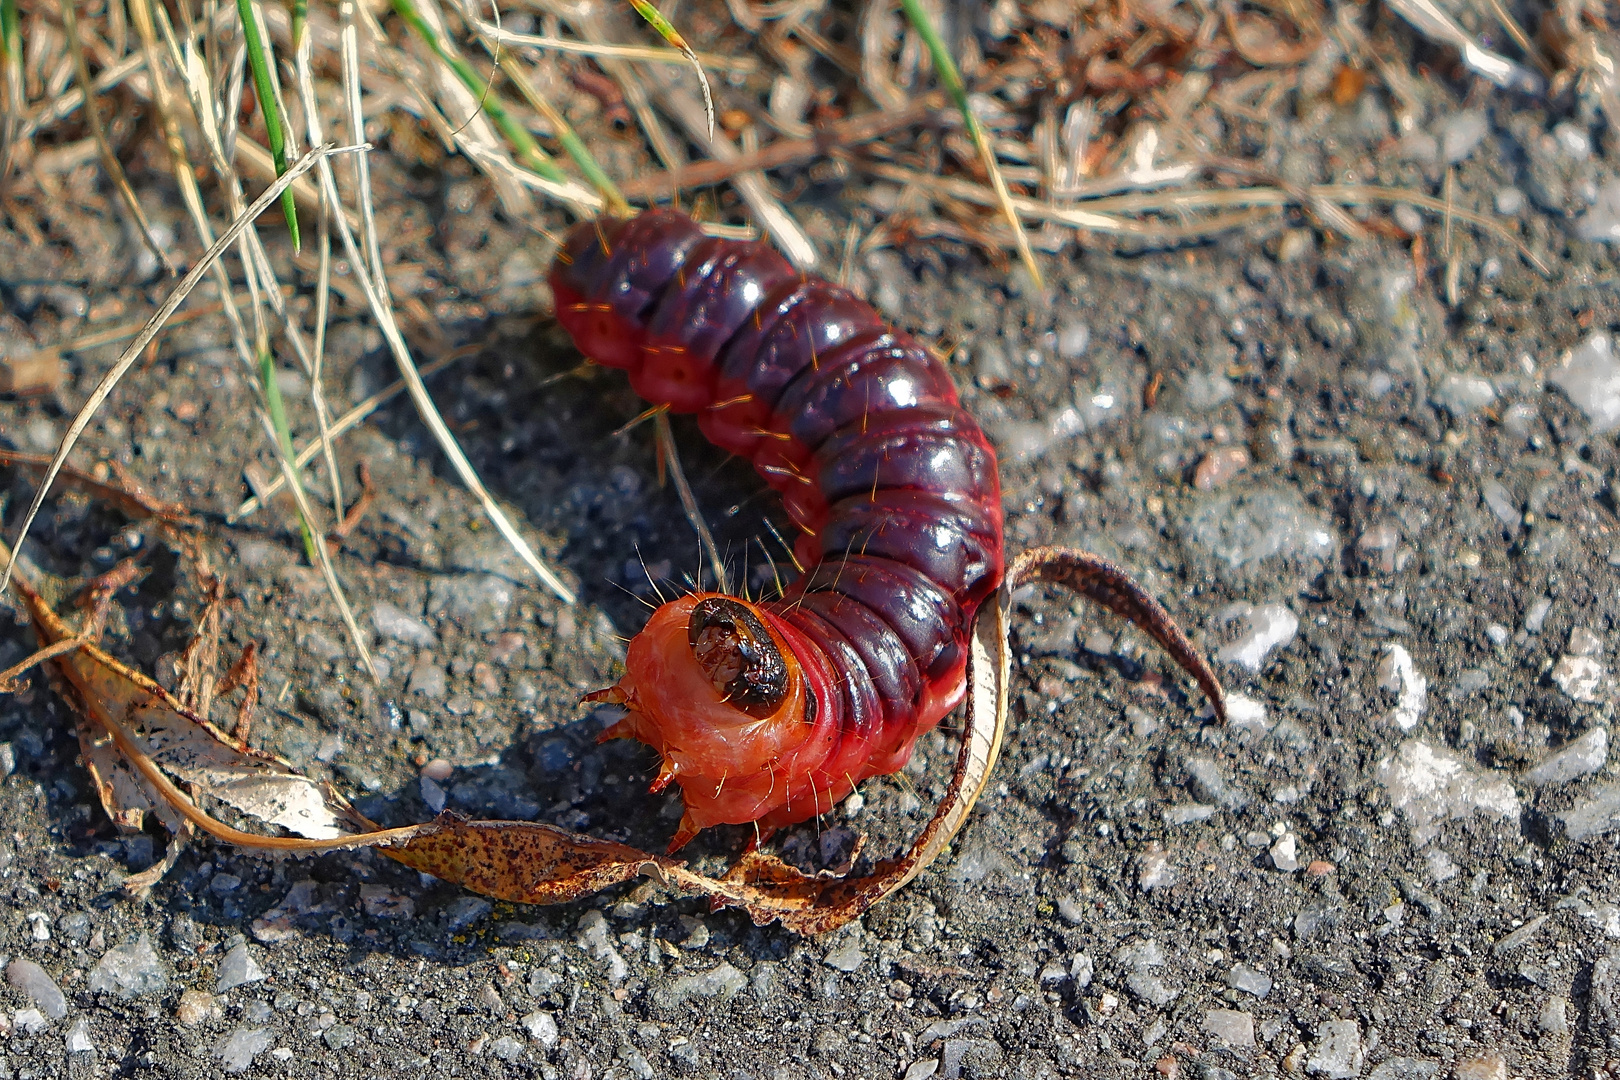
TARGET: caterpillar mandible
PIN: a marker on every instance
(773, 712)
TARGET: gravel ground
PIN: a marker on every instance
(1391, 518)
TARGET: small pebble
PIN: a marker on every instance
(38, 987)
(78, 1037)
(1338, 1052)
(1580, 757)
(1487, 1066)
(196, 1007)
(1250, 981)
(1579, 677)
(1234, 1028)
(1219, 467)
(1285, 854)
(237, 968)
(237, 1050)
(542, 1028)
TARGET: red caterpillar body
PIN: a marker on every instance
(773, 712)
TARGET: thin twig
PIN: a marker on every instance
(842, 134)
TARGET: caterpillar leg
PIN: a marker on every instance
(684, 835)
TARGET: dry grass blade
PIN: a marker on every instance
(98, 132)
(671, 457)
(572, 144)
(150, 331)
(945, 66)
(667, 31)
(343, 424)
(739, 65)
(842, 134)
(773, 217)
(367, 269)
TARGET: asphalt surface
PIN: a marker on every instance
(1391, 517)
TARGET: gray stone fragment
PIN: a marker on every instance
(237, 968)
(1337, 1055)
(1249, 981)
(846, 957)
(721, 983)
(131, 970)
(506, 1048)
(1230, 1026)
(1582, 757)
(1554, 1018)
(1519, 937)
(1404, 1068)
(1209, 784)
(38, 987)
(466, 911)
(1150, 988)
(237, 1050)
(1594, 815)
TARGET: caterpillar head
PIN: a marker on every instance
(712, 684)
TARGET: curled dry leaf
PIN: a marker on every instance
(114, 700)
(138, 740)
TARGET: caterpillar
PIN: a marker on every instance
(773, 712)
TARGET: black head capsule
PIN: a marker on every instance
(738, 654)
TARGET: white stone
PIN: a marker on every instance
(237, 1050)
(1463, 395)
(38, 987)
(1580, 677)
(29, 1021)
(1583, 642)
(542, 1028)
(393, 622)
(1581, 757)
(592, 936)
(1589, 374)
(1397, 673)
(1338, 1050)
(1265, 628)
(78, 1037)
(1230, 1026)
(1460, 133)
(1285, 854)
(1432, 786)
(1601, 224)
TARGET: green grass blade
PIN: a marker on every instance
(300, 16)
(528, 149)
(260, 60)
(278, 419)
(10, 33)
(946, 67)
(656, 20)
